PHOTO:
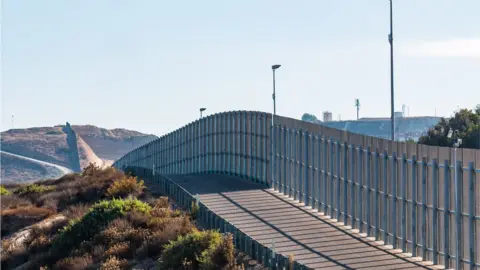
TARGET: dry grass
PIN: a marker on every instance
(33, 189)
(74, 263)
(13, 201)
(15, 219)
(113, 263)
(27, 211)
(121, 250)
(98, 253)
(39, 243)
(153, 246)
(50, 203)
(76, 211)
(162, 203)
(291, 261)
(106, 241)
(12, 258)
(88, 187)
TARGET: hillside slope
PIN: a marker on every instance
(73, 147)
(44, 143)
(21, 169)
(104, 219)
(111, 144)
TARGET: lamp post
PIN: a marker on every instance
(201, 111)
(392, 100)
(453, 134)
(274, 67)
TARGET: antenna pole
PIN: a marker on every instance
(357, 104)
(392, 100)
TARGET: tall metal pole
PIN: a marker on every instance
(273, 96)
(457, 205)
(274, 67)
(392, 105)
(272, 136)
(357, 104)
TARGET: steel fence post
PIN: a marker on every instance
(345, 183)
(385, 198)
(471, 218)
(404, 203)
(306, 186)
(414, 206)
(435, 212)
(360, 188)
(369, 191)
(394, 199)
(352, 192)
(458, 215)
(424, 208)
(332, 177)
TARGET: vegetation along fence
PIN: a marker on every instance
(211, 220)
(404, 194)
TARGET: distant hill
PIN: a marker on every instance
(110, 144)
(73, 147)
(406, 128)
(16, 169)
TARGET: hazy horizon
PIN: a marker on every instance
(148, 66)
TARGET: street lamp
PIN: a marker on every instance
(453, 134)
(392, 100)
(201, 111)
(274, 67)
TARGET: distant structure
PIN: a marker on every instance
(357, 104)
(406, 128)
(72, 144)
(327, 116)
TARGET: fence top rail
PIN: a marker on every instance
(339, 136)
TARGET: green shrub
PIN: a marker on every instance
(95, 220)
(62, 150)
(54, 132)
(127, 185)
(194, 211)
(91, 170)
(199, 249)
(4, 191)
(33, 188)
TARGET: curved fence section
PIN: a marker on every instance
(412, 197)
(233, 143)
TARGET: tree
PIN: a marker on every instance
(310, 118)
(465, 122)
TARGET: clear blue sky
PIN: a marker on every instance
(149, 65)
